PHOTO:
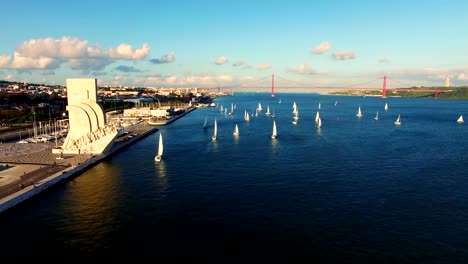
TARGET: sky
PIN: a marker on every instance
(206, 43)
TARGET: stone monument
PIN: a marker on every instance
(88, 132)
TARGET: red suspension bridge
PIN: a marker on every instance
(292, 85)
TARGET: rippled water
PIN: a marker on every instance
(355, 190)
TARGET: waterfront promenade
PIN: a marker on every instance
(28, 169)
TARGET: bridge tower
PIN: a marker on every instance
(384, 89)
(272, 85)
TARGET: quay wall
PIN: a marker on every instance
(33, 190)
(30, 191)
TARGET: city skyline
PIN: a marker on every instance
(209, 44)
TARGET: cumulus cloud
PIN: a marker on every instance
(124, 68)
(4, 61)
(126, 52)
(303, 69)
(65, 47)
(41, 62)
(221, 60)
(50, 53)
(238, 63)
(262, 67)
(344, 55)
(168, 58)
(321, 48)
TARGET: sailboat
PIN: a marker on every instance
(294, 107)
(296, 115)
(236, 131)
(268, 113)
(246, 116)
(319, 123)
(376, 116)
(397, 121)
(215, 131)
(359, 113)
(386, 107)
(259, 107)
(317, 116)
(460, 119)
(205, 124)
(319, 106)
(160, 149)
(273, 134)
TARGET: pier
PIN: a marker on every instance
(29, 169)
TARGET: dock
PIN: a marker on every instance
(29, 169)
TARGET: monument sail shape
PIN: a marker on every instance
(88, 132)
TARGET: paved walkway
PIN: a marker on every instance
(25, 164)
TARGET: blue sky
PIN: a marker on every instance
(221, 43)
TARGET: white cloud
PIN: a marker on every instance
(21, 62)
(321, 48)
(262, 67)
(302, 69)
(221, 60)
(165, 59)
(49, 53)
(126, 52)
(224, 78)
(4, 61)
(65, 47)
(344, 55)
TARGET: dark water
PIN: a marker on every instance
(356, 190)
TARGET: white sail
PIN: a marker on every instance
(268, 111)
(259, 107)
(319, 123)
(376, 116)
(294, 107)
(319, 106)
(246, 116)
(386, 107)
(205, 124)
(236, 130)
(397, 121)
(215, 131)
(460, 119)
(296, 115)
(160, 149)
(273, 134)
(359, 113)
(317, 116)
